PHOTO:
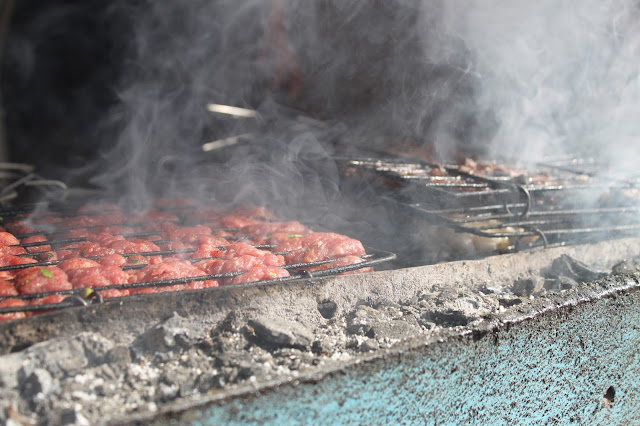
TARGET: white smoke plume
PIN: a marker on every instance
(517, 80)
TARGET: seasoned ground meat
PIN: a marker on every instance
(277, 238)
(36, 239)
(7, 239)
(188, 234)
(132, 246)
(159, 226)
(14, 250)
(231, 221)
(8, 259)
(258, 273)
(76, 263)
(7, 289)
(12, 303)
(20, 227)
(153, 216)
(111, 218)
(113, 229)
(48, 256)
(255, 212)
(240, 257)
(41, 279)
(175, 245)
(261, 231)
(224, 266)
(77, 233)
(86, 250)
(210, 246)
(116, 260)
(319, 246)
(48, 300)
(243, 249)
(343, 261)
(170, 269)
(100, 276)
(104, 239)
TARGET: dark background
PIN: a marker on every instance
(65, 63)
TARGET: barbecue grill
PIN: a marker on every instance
(478, 309)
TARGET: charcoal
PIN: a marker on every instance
(328, 309)
(369, 345)
(60, 357)
(9, 366)
(37, 382)
(379, 324)
(528, 286)
(565, 283)
(72, 417)
(281, 333)
(510, 302)
(174, 332)
(551, 284)
(321, 346)
(625, 267)
(394, 330)
(230, 324)
(449, 318)
(360, 321)
(96, 348)
(118, 355)
(567, 266)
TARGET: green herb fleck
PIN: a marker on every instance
(20, 215)
(294, 235)
(49, 255)
(273, 274)
(1, 218)
(47, 273)
(83, 252)
(133, 260)
(26, 281)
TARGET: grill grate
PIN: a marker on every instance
(567, 201)
(85, 296)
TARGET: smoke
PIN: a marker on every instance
(517, 80)
(556, 77)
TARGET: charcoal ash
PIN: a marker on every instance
(528, 286)
(280, 333)
(626, 267)
(567, 266)
(176, 359)
(176, 331)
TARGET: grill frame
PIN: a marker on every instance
(471, 199)
(87, 296)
